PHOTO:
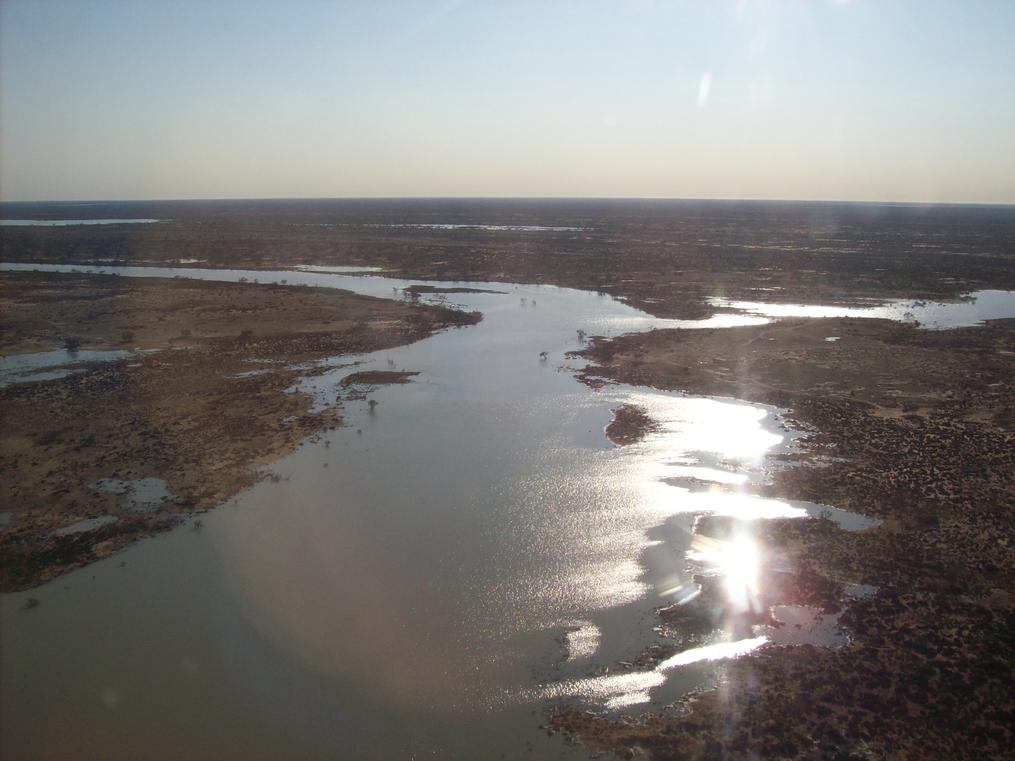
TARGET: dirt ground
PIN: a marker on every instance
(377, 378)
(202, 412)
(912, 427)
(630, 424)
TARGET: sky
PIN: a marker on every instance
(874, 100)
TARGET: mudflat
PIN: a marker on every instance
(201, 403)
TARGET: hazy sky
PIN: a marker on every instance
(857, 99)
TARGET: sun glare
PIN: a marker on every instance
(737, 561)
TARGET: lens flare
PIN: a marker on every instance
(737, 561)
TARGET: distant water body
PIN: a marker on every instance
(70, 222)
(492, 228)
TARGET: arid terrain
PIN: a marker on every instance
(507, 381)
(914, 428)
(202, 404)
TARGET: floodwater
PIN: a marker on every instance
(417, 583)
(49, 365)
(488, 228)
(141, 495)
(69, 222)
(972, 309)
(88, 524)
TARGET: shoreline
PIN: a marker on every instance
(668, 265)
(908, 426)
(902, 429)
(200, 408)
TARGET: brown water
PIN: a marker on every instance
(417, 583)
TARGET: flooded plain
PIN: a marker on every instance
(70, 222)
(418, 582)
(971, 309)
(49, 365)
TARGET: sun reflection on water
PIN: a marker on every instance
(736, 561)
(714, 652)
(633, 688)
(706, 457)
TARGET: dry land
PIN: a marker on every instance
(912, 427)
(202, 409)
(630, 424)
(377, 378)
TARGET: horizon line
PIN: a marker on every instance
(714, 199)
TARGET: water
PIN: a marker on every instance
(88, 524)
(143, 495)
(334, 270)
(415, 584)
(49, 365)
(800, 624)
(972, 309)
(70, 222)
(488, 228)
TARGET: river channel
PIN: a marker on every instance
(418, 582)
